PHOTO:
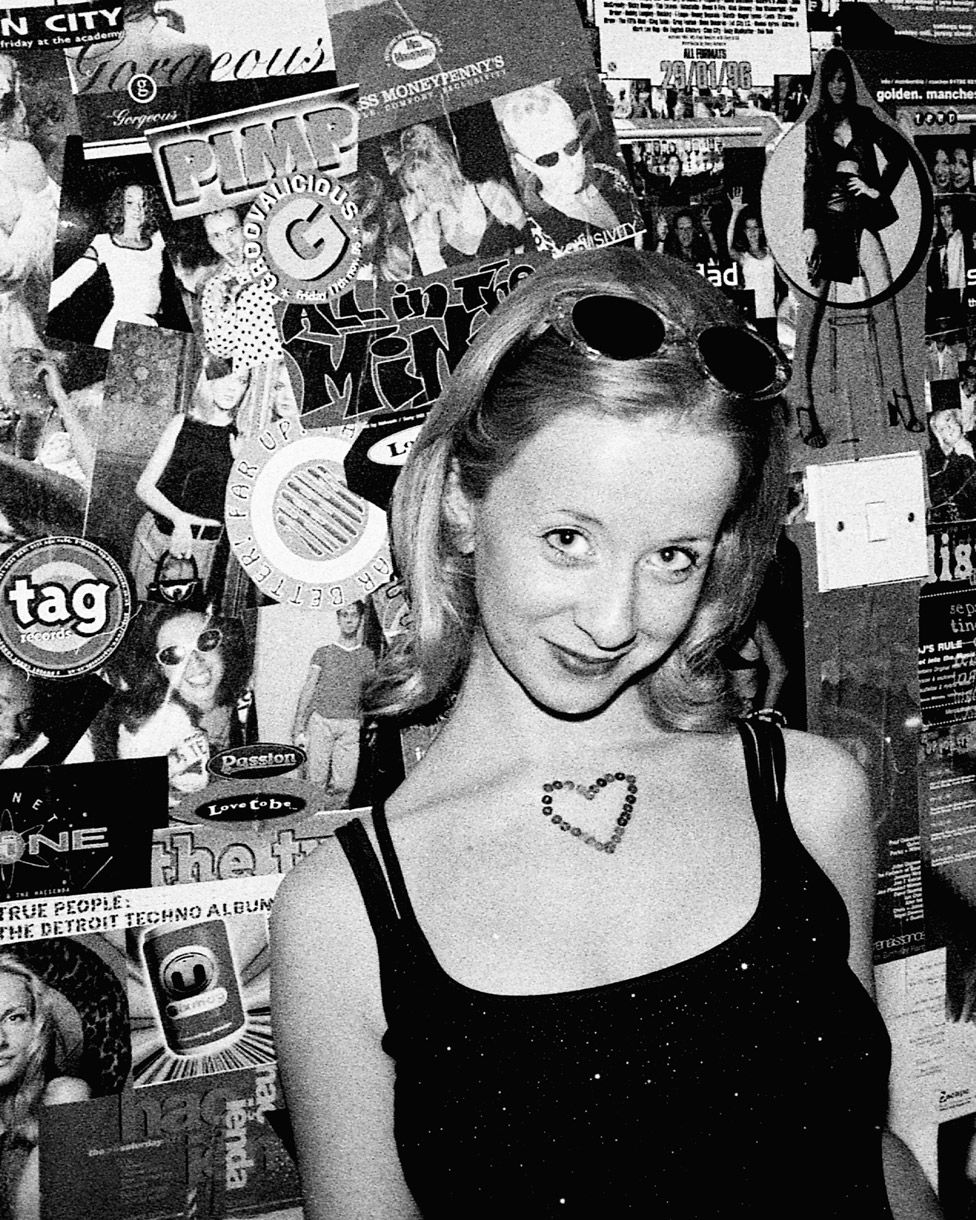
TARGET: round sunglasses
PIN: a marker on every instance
(622, 328)
(176, 654)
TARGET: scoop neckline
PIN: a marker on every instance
(723, 947)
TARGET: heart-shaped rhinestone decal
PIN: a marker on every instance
(589, 792)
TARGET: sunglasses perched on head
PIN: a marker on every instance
(549, 159)
(175, 654)
(622, 328)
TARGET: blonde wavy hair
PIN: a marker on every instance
(20, 1102)
(517, 379)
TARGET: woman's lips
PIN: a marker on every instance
(584, 665)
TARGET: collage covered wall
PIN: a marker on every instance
(239, 258)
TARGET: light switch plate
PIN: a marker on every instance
(870, 520)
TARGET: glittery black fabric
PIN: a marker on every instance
(747, 1081)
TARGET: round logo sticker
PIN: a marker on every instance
(297, 530)
(413, 50)
(301, 238)
(64, 606)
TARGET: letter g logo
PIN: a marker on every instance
(304, 239)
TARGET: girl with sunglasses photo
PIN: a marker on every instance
(183, 690)
(605, 951)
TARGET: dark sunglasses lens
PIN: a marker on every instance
(209, 639)
(573, 147)
(170, 656)
(547, 160)
(617, 327)
(739, 361)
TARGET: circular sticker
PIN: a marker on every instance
(142, 88)
(295, 527)
(413, 50)
(301, 238)
(65, 605)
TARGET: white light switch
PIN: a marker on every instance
(870, 520)
(876, 520)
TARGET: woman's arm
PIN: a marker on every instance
(501, 202)
(181, 541)
(813, 172)
(891, 143)
(738, 203)
(73, 277)
(827, 794)
(774, 662)
(327, 1018)
(81, 443)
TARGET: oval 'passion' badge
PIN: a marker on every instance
(263, 760)
(65, 605)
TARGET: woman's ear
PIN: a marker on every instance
(459, 511)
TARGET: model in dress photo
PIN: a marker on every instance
(847, 205)
(131, 252)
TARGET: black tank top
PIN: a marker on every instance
(195, 478)
(749, 1080)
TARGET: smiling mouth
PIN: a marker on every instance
(586, 666)
(198, 680)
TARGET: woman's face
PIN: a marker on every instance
(16, 1028)
(960, 170)
(133, 208)
(940, 169)
(227, 392)
(753, 231)
(947, 219)
(190, 655)
(674, 165)
(590, 550)
(837, 86)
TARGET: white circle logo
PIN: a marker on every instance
(413, 50)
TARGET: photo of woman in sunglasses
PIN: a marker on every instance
(606, 934)
(183, 690)
(567, 166)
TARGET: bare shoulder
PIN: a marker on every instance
(317, 892)
(321, 939)
(822, 775)
(829, 802)
(63, 1089)
(827, 794)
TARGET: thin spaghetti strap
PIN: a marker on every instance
(393, 871)
(765, 760)
(372, 882)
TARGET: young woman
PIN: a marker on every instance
(846, 206)
(28, 1080)
(183, 482)
(757, 268)
(131, 251)
(450, 218)
(592, 957)
(183, 687)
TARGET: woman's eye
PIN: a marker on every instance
(568, 542)
(675, 560)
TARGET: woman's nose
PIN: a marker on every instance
(607, 613)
